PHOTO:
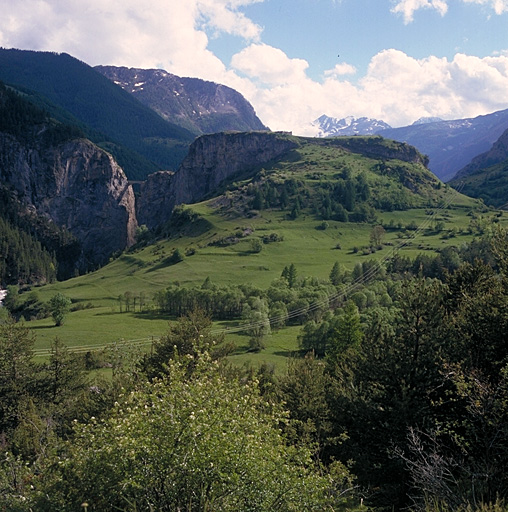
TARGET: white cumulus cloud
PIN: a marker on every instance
(174, 35)
(269, 65)
(407, 8)
(499, 6)
(396, 88)
(341, 69)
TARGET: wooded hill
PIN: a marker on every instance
(75, 93)
(33, 249)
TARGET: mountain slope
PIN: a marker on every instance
(100, 105)
(450, 145)
(197, 105)
(333, 127)
(49, 171)
(339, 178)
(486, 177)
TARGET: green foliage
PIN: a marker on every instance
(377, 235)
(255, 317)
(346, 335)
(22, 258)
(201, 443)
(59, 306)
(290, 274)
(175, 257)
(256, 245)
(16, 371)
(336, 274)
(190, 336)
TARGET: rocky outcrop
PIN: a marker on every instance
(212, 159)
(379, 148)
(76, 185)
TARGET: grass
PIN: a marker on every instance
(313, 251)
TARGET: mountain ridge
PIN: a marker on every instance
(112, 118)
(450, 145)
(198, 105)
(333, 127)
(486, 176)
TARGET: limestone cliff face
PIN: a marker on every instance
(77, 185)
(211, 160)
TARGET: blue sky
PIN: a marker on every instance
(395, 60)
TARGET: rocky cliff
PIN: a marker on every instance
(76, 185)
(212, 159)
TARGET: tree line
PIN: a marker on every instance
(398, 399)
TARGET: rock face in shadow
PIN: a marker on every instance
(76, 185)
(156, 200)
(212, 159)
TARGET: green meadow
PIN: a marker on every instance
(312, 250)
(230, 242)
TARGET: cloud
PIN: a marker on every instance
(499, 6)
(174, 35)
(340, 69)
(396, 88)
(269, 65)
(408, 7)
(223, 15)
(127, 32)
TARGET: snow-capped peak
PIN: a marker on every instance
(333, 127)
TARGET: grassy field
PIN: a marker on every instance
(219, 245)
(312, 250)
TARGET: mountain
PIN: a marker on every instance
(486, 177)
(426, 120)
(333, 127)
(393, 176)
(211, 161)
(48, 170)
(139, 138)
(450, 145)
(197, 105)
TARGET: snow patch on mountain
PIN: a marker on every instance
(333, 127)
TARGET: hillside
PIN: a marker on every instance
(314, 204)
(197, 105)
(486, 177)
(139, 138)
(451, 145)
(60, 189)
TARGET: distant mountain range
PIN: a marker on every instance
(141, 139)
(450, 145)
(333, 127)
(197, 105)
(486, 177)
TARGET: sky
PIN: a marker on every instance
(293, 60)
